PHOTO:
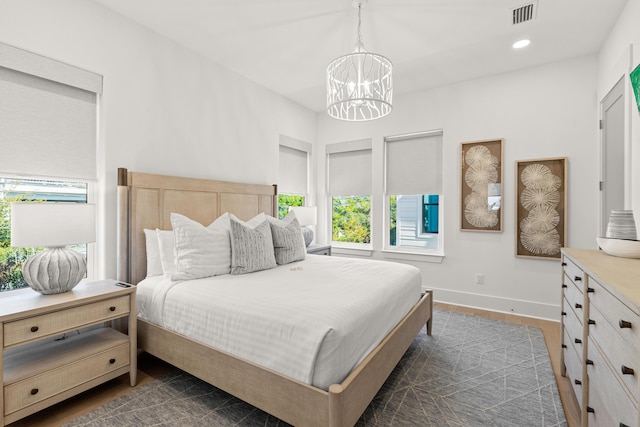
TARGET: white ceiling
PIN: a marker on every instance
(286, 45)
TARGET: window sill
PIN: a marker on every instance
(413, 256)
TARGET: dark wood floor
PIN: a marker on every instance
(150, 368)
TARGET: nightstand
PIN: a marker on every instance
(47, 358)
(319, 249)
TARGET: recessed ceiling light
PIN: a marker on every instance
(521, 43)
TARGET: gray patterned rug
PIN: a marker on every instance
(471, 372)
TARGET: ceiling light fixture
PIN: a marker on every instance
(521, 43)
(359, 84)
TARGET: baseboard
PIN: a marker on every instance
(498, 304)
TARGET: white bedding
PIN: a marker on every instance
(312, 320)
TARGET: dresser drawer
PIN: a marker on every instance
(610, 402)
(623, 320)
(572, 361)
(40, 387)
(57, 322)
(575, 298)
(573, 272)
(573, 326)
(620, 353)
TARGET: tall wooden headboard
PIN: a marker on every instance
(147, 200)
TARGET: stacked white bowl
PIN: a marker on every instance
(621, 225)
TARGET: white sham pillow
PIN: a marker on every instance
(200, 251)
(167, 245)
(251, 245)
(288, 241)
(154, 265)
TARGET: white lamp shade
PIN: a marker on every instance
(306, 215)
(52, 224)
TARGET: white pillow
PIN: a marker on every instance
(251, 245)
(154, 265)
(200, 251)
(288, 241)
(167, 244)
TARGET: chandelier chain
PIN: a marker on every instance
(359, 22)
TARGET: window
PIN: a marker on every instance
(13, 190)
(59, 102)
(349, 186)
(293, 173)
(413, 190)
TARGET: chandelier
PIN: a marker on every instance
(359, 84)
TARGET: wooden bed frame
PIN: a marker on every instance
(146, 201)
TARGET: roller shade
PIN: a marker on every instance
(349, 171)
(414, 164)
(47, 127)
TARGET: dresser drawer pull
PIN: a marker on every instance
(626, 370)
(591, 322)
(112, 361)
(578, 382)
(624, 324)
(564, 346)
(112, 308)
(590, 410)
(564, 313)
(578, 305)
(564, 264)
(590, 291)
(578, 341)
(564, 286)
(35, 328)
(589, 362)
(34, 391)
(577, 278)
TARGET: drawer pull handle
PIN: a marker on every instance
(564, 264)
(564, 286)
(112, 361)
(624, 324)
(578, 305)
(112, 308)
(590, 410)
(564, 346)
(34, 391)
(590, 290)
(577, 278)
(626, 370)
(591, 322)
(589, 362)
(578, 341)
(35, 328)
(564, 313)
(578, 382)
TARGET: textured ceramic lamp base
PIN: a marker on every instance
(54, 270)
(307, 233)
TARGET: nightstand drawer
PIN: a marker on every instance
(40, 387)
(57, 322)
(573, 272)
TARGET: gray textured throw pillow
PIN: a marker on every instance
(288, 242)
(251, 247)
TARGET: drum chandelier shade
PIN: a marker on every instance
(359, 84)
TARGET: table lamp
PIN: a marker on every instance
(306, 215)
(57, 269)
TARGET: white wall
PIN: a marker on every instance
(618, 57)
(547, 111)
(164, 109)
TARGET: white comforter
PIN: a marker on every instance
(312, 320)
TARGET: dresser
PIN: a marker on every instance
(601, 335)
(55, 346)
(319, 249)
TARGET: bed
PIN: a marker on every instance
(146, 201)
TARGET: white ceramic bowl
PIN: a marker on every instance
(620, 247)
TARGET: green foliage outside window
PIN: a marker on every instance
(11, 259)
(393, 208)
(286, 200)
(351, 219)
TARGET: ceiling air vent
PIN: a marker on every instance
(524, 13)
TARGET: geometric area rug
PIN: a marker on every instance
(472, 371)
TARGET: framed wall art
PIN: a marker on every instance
(541, 207)
(481, 185)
